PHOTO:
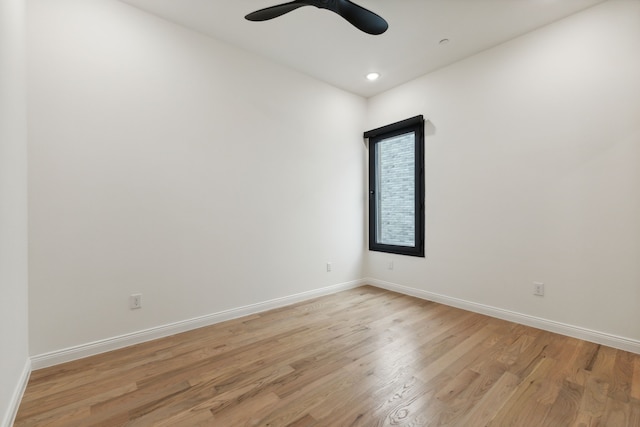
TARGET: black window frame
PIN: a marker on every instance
(416, 125)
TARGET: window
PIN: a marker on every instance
(396, 187)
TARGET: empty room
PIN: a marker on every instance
(320, 213)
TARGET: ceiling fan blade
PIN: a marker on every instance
(361, 18)
(274, 11)
(358, 16)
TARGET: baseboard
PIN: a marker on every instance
(597, 337)
(90, 349)
(114, 343)
(14, 404)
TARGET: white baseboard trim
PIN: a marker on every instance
(101, 346)
(16, 398)
(597, 337)
(114, 343)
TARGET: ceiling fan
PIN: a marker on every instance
(358, 16)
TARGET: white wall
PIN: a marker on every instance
(13, 209)
(166, 163)
(533, 173)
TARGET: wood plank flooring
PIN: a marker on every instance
(363, 357)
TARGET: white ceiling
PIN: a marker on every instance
(323, 45)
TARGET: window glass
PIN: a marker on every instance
(396, 190)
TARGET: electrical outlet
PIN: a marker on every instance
(538, 289)
(135, 301)
(329, 266)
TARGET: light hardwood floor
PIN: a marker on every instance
(363, 357)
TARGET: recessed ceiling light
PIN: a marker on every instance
(373, 76)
